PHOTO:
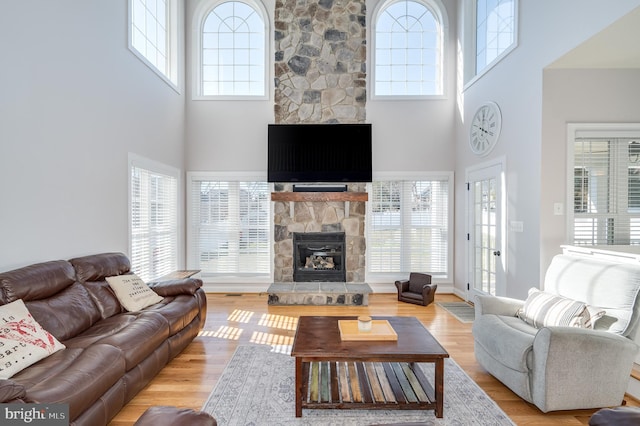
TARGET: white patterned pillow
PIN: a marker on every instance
(22, 340)
(545, 309)
(133, 293)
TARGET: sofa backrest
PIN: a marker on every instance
(612, 286)
(53, 297)
(92, 271)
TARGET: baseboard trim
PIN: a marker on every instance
(210, 287)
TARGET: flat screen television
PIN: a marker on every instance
(319, 153)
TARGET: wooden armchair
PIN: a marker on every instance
(417, 289)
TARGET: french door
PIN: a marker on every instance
(486, 270)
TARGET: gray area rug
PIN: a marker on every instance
(463, 311)
(257, 388)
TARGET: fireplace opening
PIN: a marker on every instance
(319, 256)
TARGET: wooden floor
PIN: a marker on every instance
(234, 319)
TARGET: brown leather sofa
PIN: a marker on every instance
(110, 354)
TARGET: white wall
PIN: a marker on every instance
(73, 102)
(547, 30)
(577, 96)
(407, 136)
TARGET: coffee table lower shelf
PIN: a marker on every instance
(366, 385)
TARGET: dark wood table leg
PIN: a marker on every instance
(439, 379)
(298, 387)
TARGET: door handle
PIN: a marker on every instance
(496, 253)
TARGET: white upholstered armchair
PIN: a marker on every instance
(586, 360)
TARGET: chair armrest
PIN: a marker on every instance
(176, 287)
(571, 358)
(402, 285)
(497, 305)
(10, 390)
(428, 289)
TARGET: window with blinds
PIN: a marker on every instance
(230, 227)
(153, 222)
(408, 227)
(606, 182)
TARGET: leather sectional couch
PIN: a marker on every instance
(110, 354)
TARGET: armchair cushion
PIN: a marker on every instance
(417, 282)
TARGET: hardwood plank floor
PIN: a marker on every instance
(234, 320)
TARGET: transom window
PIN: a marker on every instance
(233, 51)
(495, 30)
(153, 35)
(408, 49)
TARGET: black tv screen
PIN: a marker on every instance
(319, 153)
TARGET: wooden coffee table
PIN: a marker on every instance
(331, 373)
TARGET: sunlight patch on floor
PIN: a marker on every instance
(278, 321)
(271, 339)
(224, 332)
(239, 315)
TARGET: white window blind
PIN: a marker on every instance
(408, 227)
(154, 223)
(230, 227)
(606, 191)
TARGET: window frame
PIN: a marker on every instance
(439, 12)
(227, 278)
(136, 161)
(199, 17)
(173, 75)
(378, 277)
(595, 131)
(471, 75)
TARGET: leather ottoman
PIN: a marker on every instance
(174, 416)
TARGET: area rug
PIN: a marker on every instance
(463, 311)
(257, 388)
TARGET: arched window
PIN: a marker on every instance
(232, 51)
(408, 49)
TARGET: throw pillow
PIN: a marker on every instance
(133, 293)
(545, 309)
(22, 340)
(594, 314)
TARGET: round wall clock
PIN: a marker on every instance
(485, 128)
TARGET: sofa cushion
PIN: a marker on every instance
(37, 281)
(543, 309)
(97, 267)
(104, 298)
(66, 314)
(22, 340)
(133, 293)
(78, 377)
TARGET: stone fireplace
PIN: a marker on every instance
(347, 217)
(328, 216)
(320, 77)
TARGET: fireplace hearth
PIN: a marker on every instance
(319, 257)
